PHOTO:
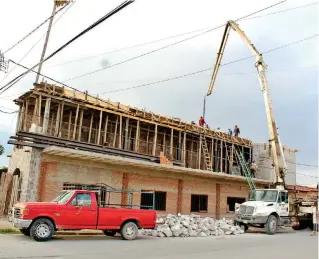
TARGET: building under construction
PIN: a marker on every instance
(67, 138)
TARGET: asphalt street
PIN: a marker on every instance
(290, 245)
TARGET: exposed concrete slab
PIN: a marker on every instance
(85, 155)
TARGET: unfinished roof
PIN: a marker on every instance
(86, 100)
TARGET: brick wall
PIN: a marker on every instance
(56, 170)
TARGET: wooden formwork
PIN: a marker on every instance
(10, 190)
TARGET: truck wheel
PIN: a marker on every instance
(110, 233)
(42, 230)
(303, 224)
(271, 225)
(244, 227)
(25, 231)
(129, 231)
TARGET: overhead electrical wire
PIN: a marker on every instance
(102, 19)
(206, 69)
(28, 52)
(169, 37)
(34, 30)
(169, 45)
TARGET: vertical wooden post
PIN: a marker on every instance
(171, 144)
(129, 140)
(231, 159)
(199, 152)
(212, 155)
(120, 133)
(19, 124)
(69, 126)
(226, 158)
(216, 157)
(26, 119)
(100, 126)
(164, 142)
(35, 111)
(221, 156)
(51, 124)
(61, 119)
(137, 137)
(39, 111)
(80, 125)
(179, 145)
(147, 137)
(57, 121)
(154, 141)
(126, 140)
(105, 129)
(76, 120)
(192, 148)
(91, 124)
(46, 115)
(115, 131)
(184, 149)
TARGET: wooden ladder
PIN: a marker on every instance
(206, 153)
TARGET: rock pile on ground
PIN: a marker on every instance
(192, 226)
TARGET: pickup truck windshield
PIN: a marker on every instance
(264, 195)
(63, 197)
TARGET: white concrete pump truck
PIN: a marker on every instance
(268, 208)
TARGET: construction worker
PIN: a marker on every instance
(201, 121)
(230, 132)
(236, 131)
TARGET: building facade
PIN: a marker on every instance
(66, 139)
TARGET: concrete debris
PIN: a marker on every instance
(191, 226)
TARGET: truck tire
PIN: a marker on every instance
(129, 231)
(271, 225)
(303, 224)
(42, 230)
(25, 231)
(110, 233)
(244, 227)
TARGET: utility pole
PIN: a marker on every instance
(57, 3)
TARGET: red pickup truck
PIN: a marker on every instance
(76, 210)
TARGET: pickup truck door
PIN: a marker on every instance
(283, 204)
(81, 212)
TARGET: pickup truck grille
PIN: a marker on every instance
(246, 210)
(16, 212)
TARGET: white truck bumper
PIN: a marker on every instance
(251, 220)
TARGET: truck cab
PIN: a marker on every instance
(76, 210)
(267, 208)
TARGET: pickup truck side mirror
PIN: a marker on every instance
(80, 203)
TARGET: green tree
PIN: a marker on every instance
(1, 150)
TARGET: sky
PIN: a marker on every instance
(236, 98)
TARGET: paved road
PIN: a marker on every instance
(248, 246)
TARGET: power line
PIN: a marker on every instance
(34, 30)
(203, 70)
(169, 45)
(282, 11)
(38, 40)
(169, 37)
(105, 17)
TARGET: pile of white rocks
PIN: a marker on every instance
(192, 226)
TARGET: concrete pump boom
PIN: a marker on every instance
(275, 144)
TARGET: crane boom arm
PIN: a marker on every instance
(276, 147)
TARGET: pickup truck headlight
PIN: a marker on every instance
(24, 212)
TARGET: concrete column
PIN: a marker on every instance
(217, 201)
(46, 115)
(180, 196)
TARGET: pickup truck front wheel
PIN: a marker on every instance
(129, 231)
(42, 230)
